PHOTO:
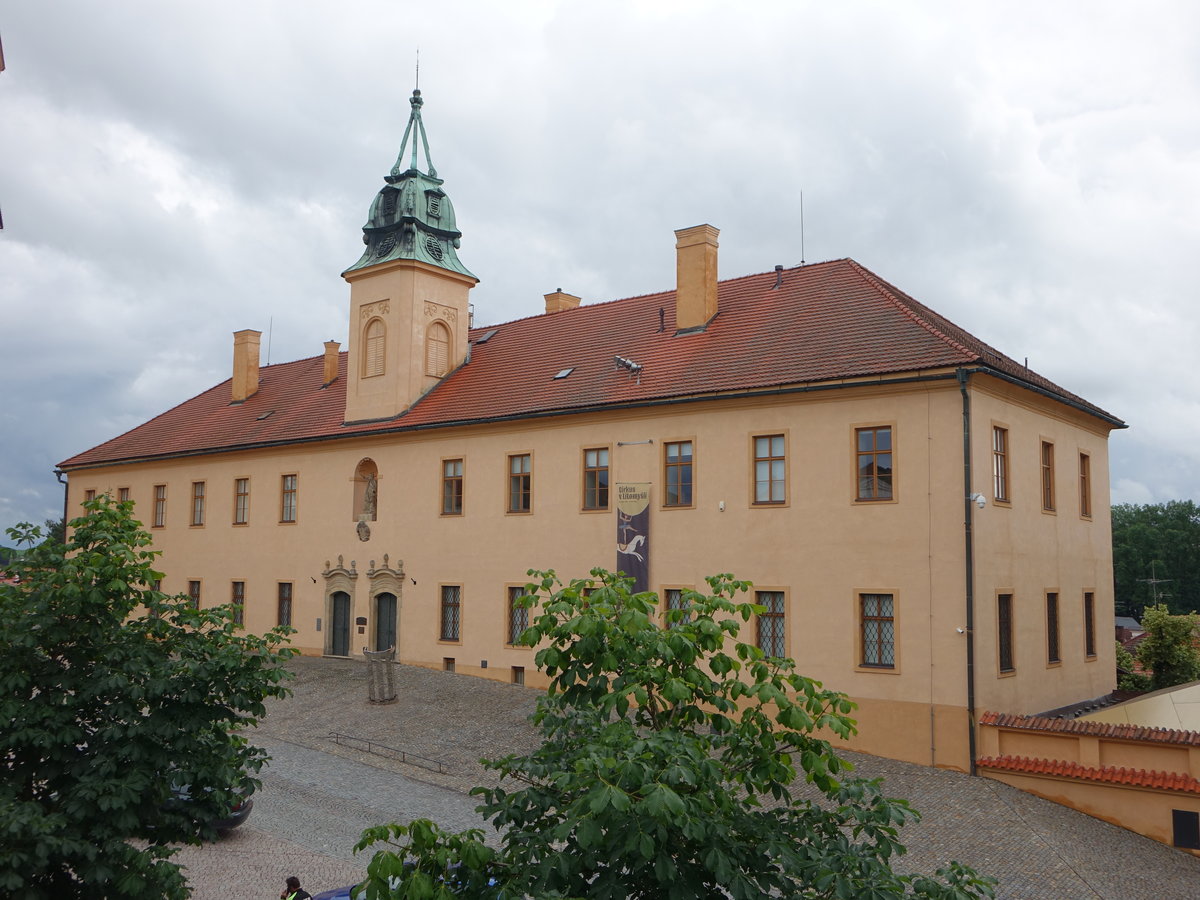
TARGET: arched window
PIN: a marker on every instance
(374, 342)
(366, 491)
(437, 350)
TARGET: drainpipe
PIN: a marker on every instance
(58, 473)
(969, 563)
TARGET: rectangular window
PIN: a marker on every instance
(287, 498)
(1085, 485)
(451, 611)
(1185, 828)
(452, 487)
(1052, 654)
(677, 460)
(769, 637)
(518, 674)
(239, 602)
(241, 501)
(518, 616)
(874, 463)
(770, 469)
(1047, 476)
(197, 502)
(1004, 626)
(595, 478)
(447, 663)
(194, 594)
(123, 495)
(1089, 623)
(284, 616)
(675, 601)
(520, 483)
(878, 630)
(1000, 464)
(89, 495)
(160, 505)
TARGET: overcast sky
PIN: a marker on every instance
(173, 172)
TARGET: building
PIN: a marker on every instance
(926, 521)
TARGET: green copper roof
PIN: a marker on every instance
(412, 217)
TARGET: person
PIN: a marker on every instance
(293, 891)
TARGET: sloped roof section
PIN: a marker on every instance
(1146, 778)
(823, 323)
(1097, 729)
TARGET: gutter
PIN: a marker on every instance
(963, 376)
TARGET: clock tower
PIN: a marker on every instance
(408, 291)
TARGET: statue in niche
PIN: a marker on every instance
(370, 496)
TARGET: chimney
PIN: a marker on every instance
(695, 277)
(559, 301)
(331, 362)
(245, 364)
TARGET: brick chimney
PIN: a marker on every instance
(245, 364)
(560, 301)
(331, 362)
(695, 277)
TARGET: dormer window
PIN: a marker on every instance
(433, 246)
(435, 205)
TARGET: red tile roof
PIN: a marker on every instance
(1164, 781)
(826, 322)
(1097, 729)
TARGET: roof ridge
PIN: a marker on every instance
(894, 295)
(1152, 778)
(1180, 736)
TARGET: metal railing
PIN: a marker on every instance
(378, 749)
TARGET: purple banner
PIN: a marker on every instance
(633, 533)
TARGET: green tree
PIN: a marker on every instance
(1127, 678)
(1153, 542)
(669, 768)
(1168, 650)
(110, 693)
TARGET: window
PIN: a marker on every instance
(374, 343)
(677, 459)
(447, 663)
(1185, 828)
(1000, 464)
(1004, 626)
(595, 478)
(520, 483)
(160, 505)
(123, 495)
(874, 463)
(197, 502)
(285, 603)
(675, 601)
(518, 616)
(89, 495)
(1089, 623)
(518, 674)
(770, 485)
(194, 594)
(451, 611)
(241, 501)
(1047, 476)
(437, 350)
(238, 600)
(878, 630)
(770, 622)
(452, 487)
(287, 499)
(1085, 485)
(1052, 654)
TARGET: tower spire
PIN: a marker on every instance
(415, 127)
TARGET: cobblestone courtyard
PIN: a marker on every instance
(1038, 849)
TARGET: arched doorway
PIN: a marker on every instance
(385, 621)
(339, 624)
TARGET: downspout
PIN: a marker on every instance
(58, 473)
(969, 563)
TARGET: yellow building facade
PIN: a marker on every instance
(925, 521)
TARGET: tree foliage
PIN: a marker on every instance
(110, 694)
(1128, 678)
(1168, 650)
(669, 766)
(1156, 541)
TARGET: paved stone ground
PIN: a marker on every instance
(1038, 849)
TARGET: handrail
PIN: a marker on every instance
(374, 747)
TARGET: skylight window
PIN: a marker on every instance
(487, 336)
(565, 372)
(266, 414)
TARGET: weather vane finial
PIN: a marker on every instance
(418, 84)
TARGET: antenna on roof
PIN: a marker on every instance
(802, 228)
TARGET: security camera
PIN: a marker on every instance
(980, 501)
(960, 630)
